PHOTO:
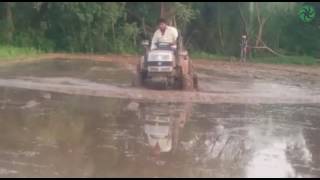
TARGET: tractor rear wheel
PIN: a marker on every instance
(178, 78)
(195, 82)
(187, 82)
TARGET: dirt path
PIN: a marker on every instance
(200, 63)
(78, 87)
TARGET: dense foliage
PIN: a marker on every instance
(115, 27)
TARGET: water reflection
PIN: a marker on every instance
(276, 155)
(220, 144)
(78, 136)
(274, 147)
(162, 126)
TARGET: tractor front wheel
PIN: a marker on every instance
(138, 77)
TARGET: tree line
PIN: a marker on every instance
(272, 28)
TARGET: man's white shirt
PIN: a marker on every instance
(170, 36)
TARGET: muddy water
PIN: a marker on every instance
(100, 72)
(235, 126)
(106, 79)
(54, 135)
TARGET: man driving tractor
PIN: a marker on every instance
(165, 33)
(166, 60)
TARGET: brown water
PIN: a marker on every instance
(59, 135)
(107, 79)
(99, 126)
(100, 72)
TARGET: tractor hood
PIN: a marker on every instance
(160, 55)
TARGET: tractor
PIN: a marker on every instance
(169, 64)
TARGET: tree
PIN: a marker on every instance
(211, 27)
(7, 21)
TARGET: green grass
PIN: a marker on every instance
(204, 55)
(298, 60)
(8, 53)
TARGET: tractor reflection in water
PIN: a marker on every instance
(162, 125)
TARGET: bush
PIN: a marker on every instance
(298, 60)
(11, 52)
(33, 39)
(204, 55)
